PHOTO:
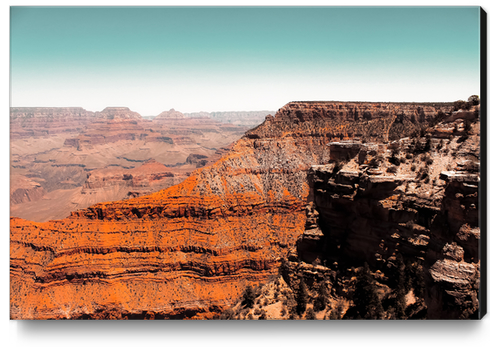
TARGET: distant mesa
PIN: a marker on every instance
(118, 113)
(169, 114)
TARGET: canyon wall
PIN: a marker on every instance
(402, 218)
(40, 121)
(371, 215)
(189, 251)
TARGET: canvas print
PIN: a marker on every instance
(246, 163)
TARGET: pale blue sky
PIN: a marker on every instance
(152, 59)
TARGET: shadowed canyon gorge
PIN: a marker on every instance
(326, 210)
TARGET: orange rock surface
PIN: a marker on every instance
(190, 250)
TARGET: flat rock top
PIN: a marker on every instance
(169, 114)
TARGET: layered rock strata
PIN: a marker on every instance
(371, 213)
(189, 250)
(107, 131)
(117, 183)
(42, 121)
(53, 150)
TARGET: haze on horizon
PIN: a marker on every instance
(193, 59)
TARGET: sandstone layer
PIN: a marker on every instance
(190, 250)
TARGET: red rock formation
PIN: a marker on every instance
(417, 227)
(151, 171)
(41, 121)
(193, 247)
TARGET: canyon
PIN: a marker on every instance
(56, 153)
(318, 198)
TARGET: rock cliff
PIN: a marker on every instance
(408, 211)
(41, 121)
(189, 251)
(367, 215)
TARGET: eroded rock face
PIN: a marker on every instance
(372, 212)
(190, 250)
(42, 121)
